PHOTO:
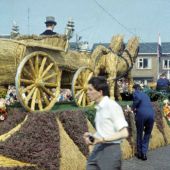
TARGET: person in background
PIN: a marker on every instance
(50, 24)
(163, 83)
(144, 118)
(111, 128)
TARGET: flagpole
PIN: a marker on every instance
(159, 53)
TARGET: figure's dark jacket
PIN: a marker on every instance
(48, 32)
(142, 104)
(162, 84)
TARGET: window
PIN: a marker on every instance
(144, 63)
(166, 64)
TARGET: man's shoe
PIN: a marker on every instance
(144, 157)
(138, 155)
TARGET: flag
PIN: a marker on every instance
(159, 48)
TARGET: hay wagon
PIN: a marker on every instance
(40, 66)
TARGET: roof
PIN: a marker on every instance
(149, 47)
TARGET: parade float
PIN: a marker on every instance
(40, 66)
(34, 136)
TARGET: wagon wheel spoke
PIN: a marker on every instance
(28, 73)
(34, 100)
(49, 77)
(84, 100)
(28, 97)
(39, 89)
(79, 86)
(47, 69)
(25, 81)
(79, 101)
(89, 76)
(42, 66)
(77, 94)
(32, 67)
(44, 97)
(36, 64)
(48, 92)
(27, 89)
(51, 85)
(39, 100)
(79, 81)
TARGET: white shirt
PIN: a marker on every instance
(109, 118)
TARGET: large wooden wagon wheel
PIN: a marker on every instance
(38, 82)
(79, 86)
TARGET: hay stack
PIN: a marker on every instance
(90, 127)
(157, 139)
(166, 130)
(11, 53)
(126, 149)
(71, 157)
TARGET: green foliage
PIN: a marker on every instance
(157, 95)
(90, 114)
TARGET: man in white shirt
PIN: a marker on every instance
(111, 127)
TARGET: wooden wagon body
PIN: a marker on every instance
(12, 52)
(24, 60)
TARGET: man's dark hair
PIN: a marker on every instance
(100, 83)
(136, 87)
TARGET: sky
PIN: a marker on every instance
(95, 20)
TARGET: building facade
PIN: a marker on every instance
(148, 65)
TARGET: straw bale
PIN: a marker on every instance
(159, 118)
(130, 118)
(126, 149)
(8, 162)
(11, 53)
(157, 139)
(90, 127)
(75, 60)
(12, 131)
(74, 123)
(71, 157)
(166, 130)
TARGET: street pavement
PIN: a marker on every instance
(158, 159)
